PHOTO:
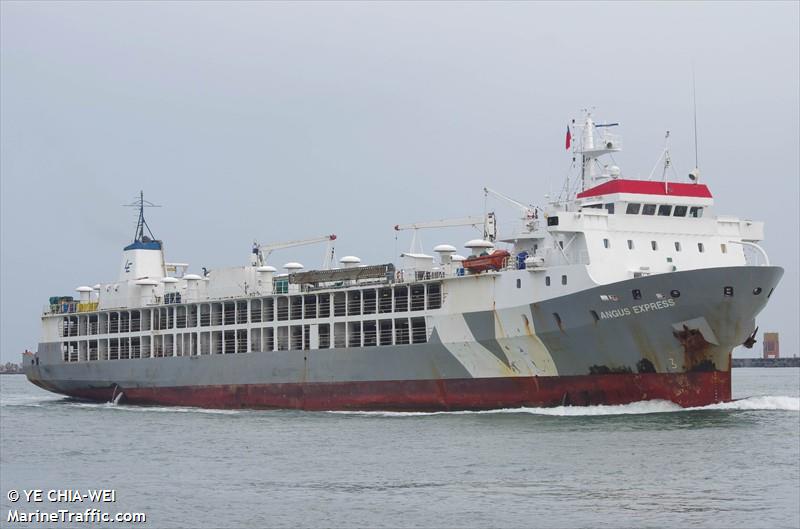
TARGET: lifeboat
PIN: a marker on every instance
(481, 263)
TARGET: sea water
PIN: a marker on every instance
(646, 464)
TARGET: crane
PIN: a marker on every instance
(529, 212)
(488, 222)
(261, 252)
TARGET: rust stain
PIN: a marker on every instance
(502, 331)
(686, 389)
(696, 350)
(605, 370)
(645, 366)
(559, 322)
(646, 349)
(528, 329)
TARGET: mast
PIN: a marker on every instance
(594, 144)
(587, 145)
(141, 224)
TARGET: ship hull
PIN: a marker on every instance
(600, 345)
(685, 389)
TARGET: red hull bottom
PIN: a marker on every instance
(685, 389)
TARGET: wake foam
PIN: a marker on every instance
(768, 403)
(154, 409)
(757, 403)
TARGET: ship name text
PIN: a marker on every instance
(637, 309)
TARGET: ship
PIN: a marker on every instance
(617, 290)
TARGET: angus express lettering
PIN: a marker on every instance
(637, 309)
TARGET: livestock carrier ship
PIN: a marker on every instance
(620, 290)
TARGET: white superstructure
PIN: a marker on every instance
(613, 229)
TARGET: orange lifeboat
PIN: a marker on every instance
(481, 263)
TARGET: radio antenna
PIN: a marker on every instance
(141, 225)
(694, 174)
(694, 105)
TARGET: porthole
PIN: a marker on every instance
(595, 315)
(636, 293)
(757, 291)
(728, 291)
(675, 293)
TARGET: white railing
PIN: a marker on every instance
(757, 256)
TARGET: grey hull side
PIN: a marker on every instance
(576, 342)
(695, 330)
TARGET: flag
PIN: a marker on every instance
(569, 138)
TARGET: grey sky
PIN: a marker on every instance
(279, 121)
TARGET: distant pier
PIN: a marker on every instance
(767, 362)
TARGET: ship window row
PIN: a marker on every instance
(387, 300)
(368, 333)
(547, 280)
(660, 210)
(701, 248)
(663, 210)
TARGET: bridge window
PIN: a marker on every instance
(606, 243)
(654, 245)
(630, 244)
(633, 208)
(547, 281)
(664, 210)
(680, 211)
(677, 246)
(696, 212)
(563, 280)
(723, 247)
(701, 247)
(610, 208)
(649, 209)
